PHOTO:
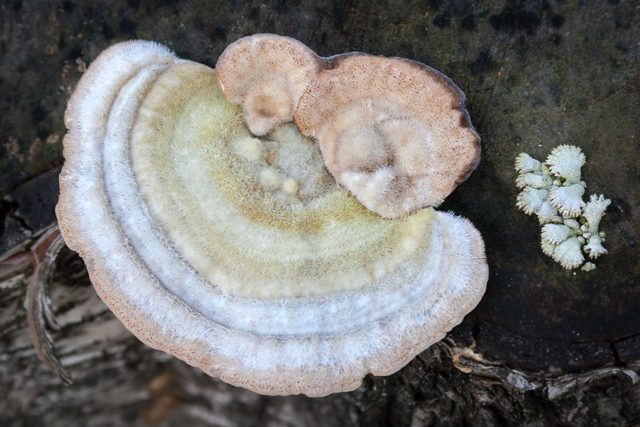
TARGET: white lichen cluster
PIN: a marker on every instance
(553, 191)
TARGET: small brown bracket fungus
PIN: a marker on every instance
(392, 131)
(241, 255)
(267, 75)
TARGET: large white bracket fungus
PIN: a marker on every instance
(393, 132)
(241, 255)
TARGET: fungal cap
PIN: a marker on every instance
(547, 247)
(566, 161)
(568, 200)
(266, 74)
(547, 213)
(183, 245)
(594, 210)
(556, 233)
(393, 132)
(535, 180)
(594, 248)
(525, 163)
(530, 199)
(569, 253)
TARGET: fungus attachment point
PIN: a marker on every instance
(240, 254)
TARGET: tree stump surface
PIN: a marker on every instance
(546, 346)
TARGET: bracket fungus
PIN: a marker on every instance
(393, 132)
(267, 75)
(236, 251)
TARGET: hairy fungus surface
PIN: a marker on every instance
(393, 132)
(238, 253)
(267, 75)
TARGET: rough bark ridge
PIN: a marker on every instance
(119, 381)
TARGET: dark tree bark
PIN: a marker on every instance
(544, 347)
(119, 381)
